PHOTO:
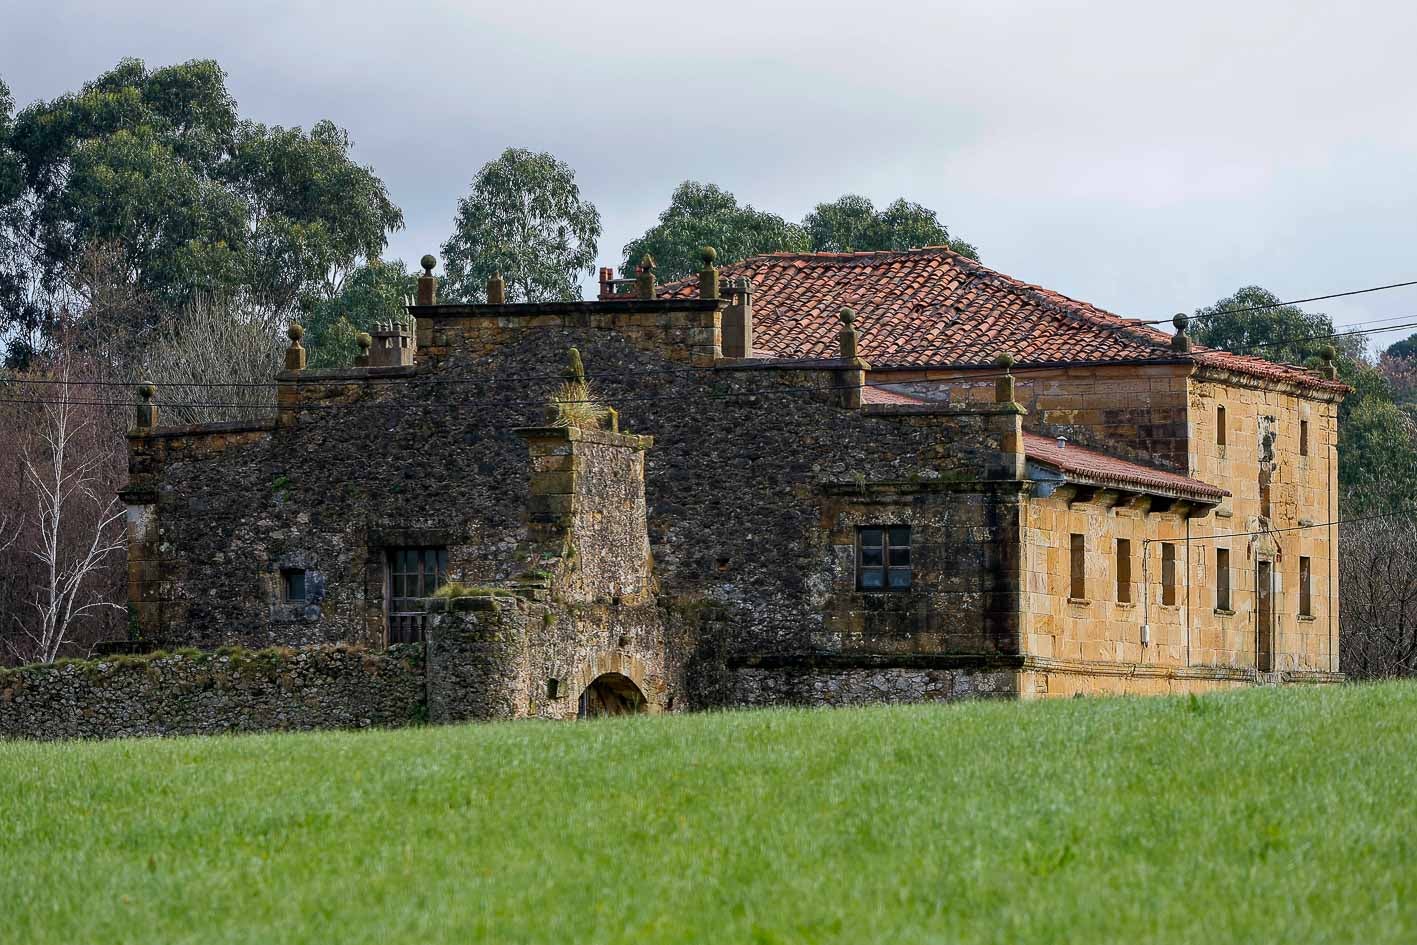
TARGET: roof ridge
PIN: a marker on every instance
(971, 288)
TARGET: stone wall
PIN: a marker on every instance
(208, 693)
(758, 476)
(1262, 442)
(495, 656)
(759, 687)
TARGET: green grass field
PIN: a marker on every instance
(1260, 816)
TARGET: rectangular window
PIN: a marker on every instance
(414, 574)
(883, 558)
(292, 582)
(1303, 438)
(1219, 426)
(1077, 558)
(1168, 573)
(1222, 579)
(1306, 599)
(1124, 571)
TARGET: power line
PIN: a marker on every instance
(1261, 308)
(1395, 513)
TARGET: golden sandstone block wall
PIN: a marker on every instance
(1264, 425)
(1166, 416)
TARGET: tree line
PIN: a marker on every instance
(148, 230)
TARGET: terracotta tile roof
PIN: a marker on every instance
(1100, 468)
(933, 306)
(870, 394)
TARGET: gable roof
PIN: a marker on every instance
(934, 307)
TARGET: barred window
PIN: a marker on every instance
(883, 558)
(413, 575)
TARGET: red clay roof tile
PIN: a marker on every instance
(935, 307)
(1101, 468)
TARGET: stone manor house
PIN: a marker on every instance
(827, 479)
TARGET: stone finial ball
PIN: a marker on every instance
(1004, 360)
(847, 315)
(295, 331)
(709, 254)
(1180, 321)
(428, 263)
(148, 390)
(364, 340)
(1329, 352)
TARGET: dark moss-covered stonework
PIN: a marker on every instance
(742, 544)
(233, 690)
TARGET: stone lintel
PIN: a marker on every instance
(531, 309)
(202, 429)
(791, 364)
(813, 661)
(888, 491)
(578, 435)
(943, 409)
(1243, 674)
(325, 375)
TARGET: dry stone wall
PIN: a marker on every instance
(209, 693)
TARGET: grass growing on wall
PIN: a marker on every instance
(1258, 816)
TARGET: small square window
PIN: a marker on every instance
(883, 558)
(292, 581)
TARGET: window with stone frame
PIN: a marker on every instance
(292, 585)
(1168, 573)
(1222, 579)
(1124, 571)
(414, 574)
(1306, 588)
(1077, 566)
(883, 558)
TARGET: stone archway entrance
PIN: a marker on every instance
(610, 694)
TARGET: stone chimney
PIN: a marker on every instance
(738, 320)
(394, 345)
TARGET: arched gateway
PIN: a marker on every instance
(610, 694)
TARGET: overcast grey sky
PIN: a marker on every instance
(1145, 157)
